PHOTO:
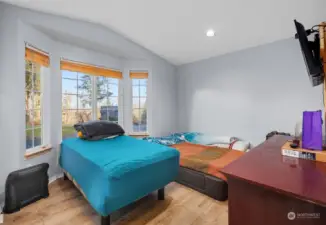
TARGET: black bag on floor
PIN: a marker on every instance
(26, 186)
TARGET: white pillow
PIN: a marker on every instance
(206, 139)
(221, 145)
(238, 145)
(241, 146)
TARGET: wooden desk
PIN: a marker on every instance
(265, 186)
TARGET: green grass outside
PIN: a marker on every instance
(37, 132)
(66, 131)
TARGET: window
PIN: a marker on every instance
(76, 101)
(36, 66)
(88, 93)
(139, 101)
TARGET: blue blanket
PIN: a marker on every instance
(174, 138)
(115, 172)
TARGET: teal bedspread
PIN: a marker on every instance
(115, 172)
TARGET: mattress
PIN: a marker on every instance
(206, 159)
(113, 173)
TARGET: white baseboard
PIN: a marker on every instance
(55, 177)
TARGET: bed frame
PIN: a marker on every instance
(209, 185)
(106, 220)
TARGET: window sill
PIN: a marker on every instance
(34, 152)
(139, 135)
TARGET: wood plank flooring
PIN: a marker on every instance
(182, 206)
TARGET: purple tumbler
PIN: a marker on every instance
(312, 135)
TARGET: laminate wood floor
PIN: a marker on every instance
(182, 206)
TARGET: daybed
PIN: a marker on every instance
(200, 163)
(112, 173)
(200, 166)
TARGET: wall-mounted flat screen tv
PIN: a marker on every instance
(311, 53)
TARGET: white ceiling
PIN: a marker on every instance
(175, 29)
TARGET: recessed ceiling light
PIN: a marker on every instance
(210, 33)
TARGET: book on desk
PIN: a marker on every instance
(301, 153)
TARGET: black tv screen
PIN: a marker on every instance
(311, 54)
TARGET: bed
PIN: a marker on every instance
(112, 173)
(200, 164)
(200, 167)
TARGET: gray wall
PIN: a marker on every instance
(45, 31)
(247, 93)
(9, 154)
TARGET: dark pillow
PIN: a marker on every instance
(99, 129)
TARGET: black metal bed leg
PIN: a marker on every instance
(106, 220)
(65, 176)
(160, 194)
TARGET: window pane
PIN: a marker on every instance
(136, 117)
(101, 80)
(136, 128)
(28, 100)
(28, 81)
(82, 76)
(103, 113)
(37, 82)
(37, 68)
(84, 102)
(29, 119)
(113, 101)
(29, 138)
(143, 91)
(69, 117)
(102, 86)
(135, 82)
(142, 103)
(83, 115)
(37, 117)
(28, 65)
(143, 120)
(84, 85)
(113, 81)
(143, 116)
(69, 86)
(113, 90)
(143, 82)
(38, 136)
(69, 74)
(69, 101)
(102, 102)
(135, 103)
(109, 113)
(135, 91)
(37, 97)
